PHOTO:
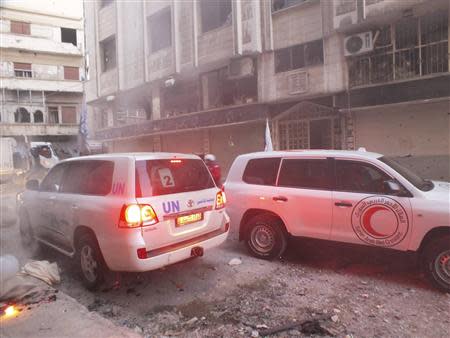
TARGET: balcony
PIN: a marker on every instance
(39, 45)
(35, 129)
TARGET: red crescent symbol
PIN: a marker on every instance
(367, 218)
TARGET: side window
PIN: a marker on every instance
(262, 171)
(52, 182)
(359, 177)
(308, 174)
(88, 178)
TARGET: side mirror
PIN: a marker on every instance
(393, 187)
(32, 185)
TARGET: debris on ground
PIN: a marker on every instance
(43, 270)
(235, 261)
(308, 326)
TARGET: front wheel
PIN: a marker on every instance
(265, 237)
(90, 260)
(436, 262)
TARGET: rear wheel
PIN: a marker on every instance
(90, 260)
(436, 262)
(27, 237)
(265, 237)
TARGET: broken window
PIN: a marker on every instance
(108, 53)
(219, 89)
(38, 116)
(215, 14)
(69, 35)
(344, 6)
(299, 56)
(22, 69)
(19, 27)
(53, 115)
(71, 73)
(69, 115)
(280, 4)
(160, 30)
(182, 98)
(409, 48)
(21, 115)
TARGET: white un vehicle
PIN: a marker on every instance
(345, 196)
(125, 212)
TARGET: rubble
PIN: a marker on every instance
(235, 261)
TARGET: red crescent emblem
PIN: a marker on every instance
(366, 221)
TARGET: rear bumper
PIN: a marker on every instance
(161, 257)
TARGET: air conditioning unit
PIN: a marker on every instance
(358, 44)
(240, 68)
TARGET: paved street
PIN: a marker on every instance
(369, 292)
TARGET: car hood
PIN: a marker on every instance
(440, 192)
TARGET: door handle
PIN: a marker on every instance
(343, 204)
(280, 199)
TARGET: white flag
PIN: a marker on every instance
(268, 138)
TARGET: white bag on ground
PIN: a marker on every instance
(44, 270)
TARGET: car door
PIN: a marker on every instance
(304, 197)
(42, 212)
(365, 211)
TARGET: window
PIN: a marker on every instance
(21, 115)
(104, 3)
(53, 115)
(162, 177)
(69, 35)
(262, 171)
(160, 30)
(299, 56)
(108, 54)
(69, 115)
(215, 14)
(22, 69)
(52, 182)
(308, 174)
(38, 116)
(280, 4)
(360, 177)
(71, 73)
(410, 48)
(19, 27)
(307, 134)
(88, 178)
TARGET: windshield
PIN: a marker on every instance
(411, 176)
(163, 177)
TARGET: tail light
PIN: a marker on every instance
(137, 215)
(220, 200)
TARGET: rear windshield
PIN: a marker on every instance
(163, 177)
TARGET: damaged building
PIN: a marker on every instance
(41, 73)
(203, 77)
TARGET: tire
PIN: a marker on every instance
(265, 237)
(436, 262)
(27, 238)
(90, 261)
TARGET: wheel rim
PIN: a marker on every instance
(262, 238)
(442, 266)
(88, 263)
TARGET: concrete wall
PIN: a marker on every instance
(215, 45)
(421, 131)
(107, 21)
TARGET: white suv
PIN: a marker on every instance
(125, 212)
(345, 196)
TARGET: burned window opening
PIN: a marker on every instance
(220, 90)
(215, 14)
(160, 30)
(299, 56)
(104, 3)
(69, 35)
(410, 48)
(183, 98)
(108, 54)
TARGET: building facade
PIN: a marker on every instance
(41, 73)
(203, 77)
